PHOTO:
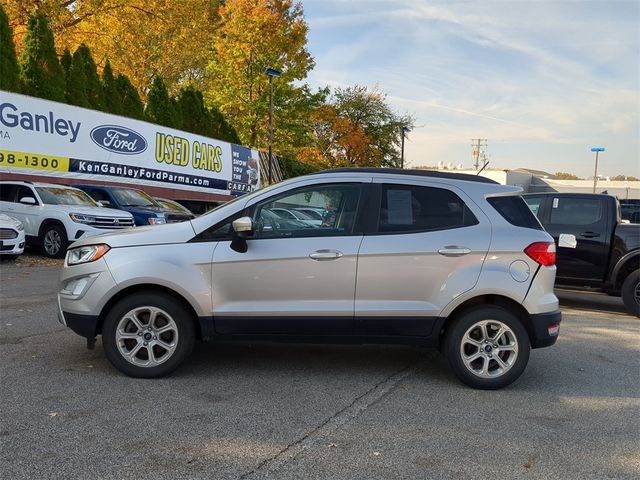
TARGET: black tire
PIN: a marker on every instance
(54, 241)
(631, 293)
(453, 347)
(172, 309)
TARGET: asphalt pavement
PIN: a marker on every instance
(312, 411)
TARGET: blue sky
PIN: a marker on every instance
(543, 81)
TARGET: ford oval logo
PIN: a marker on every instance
(118, 139)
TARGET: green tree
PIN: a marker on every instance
(92, 80)
(129, 101)
(42, 74)
(222, 129)
(112, 102)
(76, 91)
(161, 108)
(196, 117)
(9, 67)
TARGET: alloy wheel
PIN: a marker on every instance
(489, 349)
(147, 336)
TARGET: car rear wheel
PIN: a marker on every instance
(487, 347)
(148, 335)
(631, 293)
(54, 241)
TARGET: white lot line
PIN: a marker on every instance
(322, 433)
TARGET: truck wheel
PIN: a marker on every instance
(631, 293)
(54, 241)
(487, 347)
(148, 335)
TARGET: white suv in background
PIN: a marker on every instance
(441, 260)
(56, 215)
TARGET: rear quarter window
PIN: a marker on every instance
(515, 211)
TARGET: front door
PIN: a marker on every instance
(296, 277)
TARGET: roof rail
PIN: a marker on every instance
(419, 173)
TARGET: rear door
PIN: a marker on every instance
(579, 226)
(427, 247)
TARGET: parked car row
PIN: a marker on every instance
(52, 216)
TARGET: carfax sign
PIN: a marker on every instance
(40, 137)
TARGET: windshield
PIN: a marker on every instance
(171, 205)
(128, 197)
(64, 196)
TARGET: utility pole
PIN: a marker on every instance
(477, 144)
(595, 173)
(403, 132)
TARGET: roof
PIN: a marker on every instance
(418, 173)
(38, 184)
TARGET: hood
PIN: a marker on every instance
(147, 235)
(7, 221)
(93, 211)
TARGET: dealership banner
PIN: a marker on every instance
(40, 137)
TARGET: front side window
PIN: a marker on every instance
(277, 217)
(64, 196)
(412, 208)
(8, 192)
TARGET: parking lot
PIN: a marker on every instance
(312, 411)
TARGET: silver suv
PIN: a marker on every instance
(439, 260)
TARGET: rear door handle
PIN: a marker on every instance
(325, 254)
(589, 234)
(454, 251)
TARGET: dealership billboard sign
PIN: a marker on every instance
(40, 137)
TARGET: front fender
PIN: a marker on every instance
(184, 268)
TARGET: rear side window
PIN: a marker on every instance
(576, 211)
(515, 211)
(412, 208)
(8, 192)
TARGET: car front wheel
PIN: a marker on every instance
(487, 347)
(54, 241)
(148, 335)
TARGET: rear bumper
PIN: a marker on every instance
(540, 325)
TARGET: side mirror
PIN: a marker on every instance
(28, 201)
(243, 228)
(103, 203)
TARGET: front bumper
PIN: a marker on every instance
(545, 328)
(13, 246)
(82, 294)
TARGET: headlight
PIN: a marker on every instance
(78, 217)
(156, 220)
(20, 227)
(87, 254)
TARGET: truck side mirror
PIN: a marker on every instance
(28, 201)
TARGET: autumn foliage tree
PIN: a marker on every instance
(356, 128)
(254, 35)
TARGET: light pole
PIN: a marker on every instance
(595, 173)
(403, 133)
(271, 72)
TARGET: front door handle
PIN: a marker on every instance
(589, 234)
(325, 254)
(454, 251)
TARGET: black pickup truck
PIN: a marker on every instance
(595, 249)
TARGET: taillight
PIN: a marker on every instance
(542, 252)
